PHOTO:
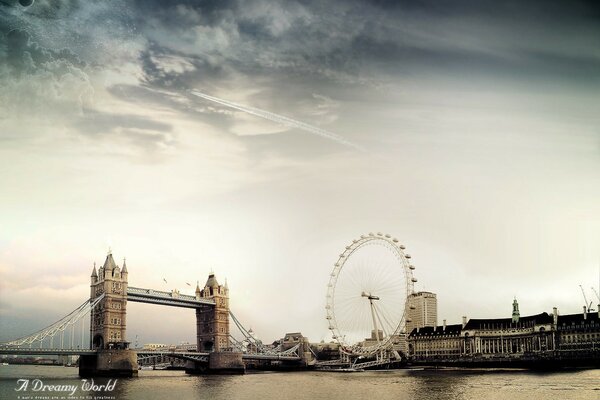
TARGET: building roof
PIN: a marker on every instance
(488, 323)
(211, 281)
(437, 330)
(109, 263)
(422, 293)
(570, 319)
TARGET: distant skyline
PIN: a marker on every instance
(479, 120)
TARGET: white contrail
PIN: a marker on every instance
(280, 119)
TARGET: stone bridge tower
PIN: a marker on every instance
(108, 319)
(212, 322)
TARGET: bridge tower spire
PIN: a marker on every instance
(212, 322)
(124, 272)
(108, 320)
(94, 276)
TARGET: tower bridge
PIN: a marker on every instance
(108, 351)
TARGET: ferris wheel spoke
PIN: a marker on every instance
(382, 313)
(383, 328)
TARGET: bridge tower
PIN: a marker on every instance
(108, 319)
(212, 322)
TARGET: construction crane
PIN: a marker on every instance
(596, 293)
(589, 307)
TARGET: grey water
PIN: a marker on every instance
(380, 385)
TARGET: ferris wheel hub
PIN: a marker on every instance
(369, 296)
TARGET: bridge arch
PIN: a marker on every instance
(98, 342)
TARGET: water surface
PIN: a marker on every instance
(379, 385)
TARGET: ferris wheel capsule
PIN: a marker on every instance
(411, 267)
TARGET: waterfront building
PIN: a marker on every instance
(543, 335)
(186, 346)
(292, 339)
(155, 346)
(577, 332)
(374, 339)
(508, 336)
(421, 310)
(436, 341)
(326, 351)
(398, 341)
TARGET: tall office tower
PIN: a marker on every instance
(421, 310)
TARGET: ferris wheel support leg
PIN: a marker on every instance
(374, 320)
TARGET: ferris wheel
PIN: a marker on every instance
(367, 294)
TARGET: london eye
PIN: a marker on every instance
(367, 294)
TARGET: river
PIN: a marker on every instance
(379, 385)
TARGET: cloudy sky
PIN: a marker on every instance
(478, 125)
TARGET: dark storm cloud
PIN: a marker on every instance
(210, 11)
(198, 70)
(365, 42)
(23, 55)
(531, 8)
(343, 37)
(55, 8)
(286, 52)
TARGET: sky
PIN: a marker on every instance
(469, 130)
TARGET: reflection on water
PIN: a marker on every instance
(380, 385)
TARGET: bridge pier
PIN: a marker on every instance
(113, 363)
(224, 363)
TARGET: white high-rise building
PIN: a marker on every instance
(421, 310)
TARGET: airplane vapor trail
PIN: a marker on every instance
(280, 119)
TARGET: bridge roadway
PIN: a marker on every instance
(176, 354)
(173, 298)
(40, 352)
(245, 356)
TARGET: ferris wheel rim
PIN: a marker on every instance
(397, 250)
